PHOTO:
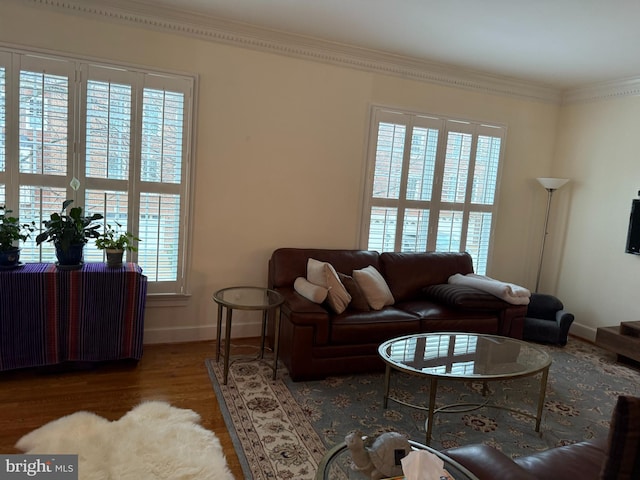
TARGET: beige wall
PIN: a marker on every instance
(280, 153)
(598, 148)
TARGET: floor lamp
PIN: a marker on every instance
(550, 184)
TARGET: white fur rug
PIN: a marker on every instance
(152, 441)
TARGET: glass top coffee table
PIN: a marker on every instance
(336, 465)
(467, 357)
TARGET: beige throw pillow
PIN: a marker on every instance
(374, 287)
(308, 290)
(323, 274)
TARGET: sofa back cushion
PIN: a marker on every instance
(407, 274)
(287, 264)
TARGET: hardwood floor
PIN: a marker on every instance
(174, 373)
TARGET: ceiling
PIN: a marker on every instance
(557, 43)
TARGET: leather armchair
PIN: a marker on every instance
(581, 461)
(614, 457)
(546, 320)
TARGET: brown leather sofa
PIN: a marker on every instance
(315, 342)
(613, 457)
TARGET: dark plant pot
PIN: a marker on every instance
(10, 258)
(114, 257)
(71, 256)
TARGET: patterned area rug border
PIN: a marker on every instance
(270, 431)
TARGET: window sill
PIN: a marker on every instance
(158, 300)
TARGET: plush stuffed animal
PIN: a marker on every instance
(382, 459)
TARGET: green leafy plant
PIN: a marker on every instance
(112, 239)
(12, 231)
(72, 228)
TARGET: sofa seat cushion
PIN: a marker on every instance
(463, 297)
(374, 326)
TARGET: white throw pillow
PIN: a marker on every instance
(308, 290)
(315, 272)
(323, 274)
(374, 287)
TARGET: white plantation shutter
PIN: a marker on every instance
(36, 204)
(162, 212)
(107, 148)
(162, 132)
(160, 226)
(432, 185)
(108, 129)
(124, 136)
(43, 145)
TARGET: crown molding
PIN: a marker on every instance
(603, 91)
(144, 14)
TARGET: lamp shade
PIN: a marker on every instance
(552, 183)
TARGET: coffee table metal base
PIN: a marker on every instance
(460, 356)
(461, 407)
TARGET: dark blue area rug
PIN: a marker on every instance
(285, 422)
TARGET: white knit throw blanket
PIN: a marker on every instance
(509, 292)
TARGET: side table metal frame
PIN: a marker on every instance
(229, 315)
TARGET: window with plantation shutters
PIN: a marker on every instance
(113, 139)
(431, 184)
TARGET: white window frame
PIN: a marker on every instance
(434, 204)
(79, 70)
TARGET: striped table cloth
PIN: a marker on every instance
(49, 316)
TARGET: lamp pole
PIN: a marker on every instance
(551, 185)
(544, 236)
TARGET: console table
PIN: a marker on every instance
(49, 316)
(623, 340)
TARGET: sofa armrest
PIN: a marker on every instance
(564, 319)
(294, 302)
(302, 312)
(543, 305)
(488, 463)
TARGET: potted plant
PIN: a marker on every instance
(12, 231)
(115, 243)
(69, 233)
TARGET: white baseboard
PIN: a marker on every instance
(198, 333)
(583, 331)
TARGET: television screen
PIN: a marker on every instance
(633, 235)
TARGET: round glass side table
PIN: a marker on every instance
(247, 298)
(336, 464)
